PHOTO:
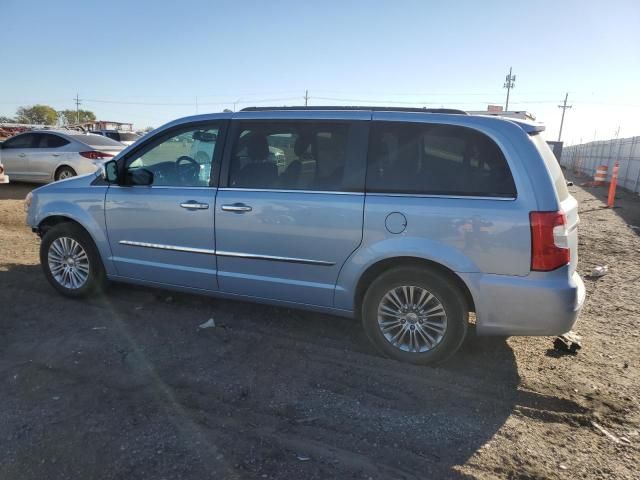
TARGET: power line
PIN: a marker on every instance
(396, 102)
(183, 104)
(564, 107)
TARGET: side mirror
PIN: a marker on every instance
(141, 176)
(110, 171)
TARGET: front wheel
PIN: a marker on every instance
(71, 261)
(415, 315)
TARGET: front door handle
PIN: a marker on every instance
(237, 207)
(22, 154)
(55, 154)
(193, 205)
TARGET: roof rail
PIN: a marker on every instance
(358, 107)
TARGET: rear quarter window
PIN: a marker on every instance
(550, 161)
(48, 140)
(434, 159)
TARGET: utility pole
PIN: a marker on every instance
(509, 84)
(306, 97)
(564, 107)
(196, 104)
(78, 103)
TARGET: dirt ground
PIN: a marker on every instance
(125, 386)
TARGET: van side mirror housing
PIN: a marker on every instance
(110, 171)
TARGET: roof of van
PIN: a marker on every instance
(357, 112)
(528, 126)
(452, 111)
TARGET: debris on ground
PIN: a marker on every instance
(303, 458)
(211, 323)
(599, 271)
(568, 342)
(168, 299)
(609, 435)
(99, 328)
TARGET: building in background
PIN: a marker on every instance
(105, 125)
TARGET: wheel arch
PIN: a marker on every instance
(51, 221)
(381, 266)
(60, 167)
(96, 235)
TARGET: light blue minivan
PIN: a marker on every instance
(408, 219)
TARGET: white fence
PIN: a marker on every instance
(585, 158)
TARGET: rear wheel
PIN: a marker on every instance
(71, 261)
(415, 315)
(64, 172)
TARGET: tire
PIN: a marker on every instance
(421, 334)
(64, 172)
(58, 243)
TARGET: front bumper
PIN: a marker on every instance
(542, 303)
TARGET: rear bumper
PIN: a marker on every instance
(539, 304)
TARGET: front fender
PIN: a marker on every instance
(84, 206)
(395, 247)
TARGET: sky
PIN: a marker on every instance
(149, 62)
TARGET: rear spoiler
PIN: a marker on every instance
(532, 128)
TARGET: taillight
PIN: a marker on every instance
(549, 241)
(94, 155)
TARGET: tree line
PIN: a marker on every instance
(46, 115)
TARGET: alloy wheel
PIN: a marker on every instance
(68, 262)
(412, 319)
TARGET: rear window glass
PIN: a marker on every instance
(96, 140)
(128, 137)
(553, 166)
(434, 159)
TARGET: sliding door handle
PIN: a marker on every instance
(237, 207)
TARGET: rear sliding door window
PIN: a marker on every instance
(291, 156)
(434, 159)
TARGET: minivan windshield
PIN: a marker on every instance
(553, 166)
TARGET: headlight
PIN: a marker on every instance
(27, 201)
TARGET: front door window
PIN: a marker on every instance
(183, 160)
